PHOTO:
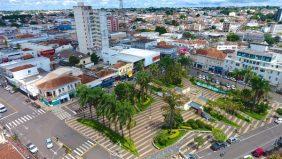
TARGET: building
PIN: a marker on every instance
(124, 68)
(141, 43)
(265, 63)
(113, 25)
(226, 27)
(275, 28)
(166, 50)
(3, 42)
(279, 15)
(251, 36)
(91, 29)
(209, 59)
(57, 90)
(64, 56)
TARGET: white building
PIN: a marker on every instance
(91, 28)
(263, 62)
(276, 29)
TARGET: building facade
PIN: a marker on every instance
(91, 28)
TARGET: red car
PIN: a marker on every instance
(258, 152)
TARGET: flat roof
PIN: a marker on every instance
(255, 52)
(140, 52)
(128, 58)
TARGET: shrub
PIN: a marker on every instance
(218, 135)
(197, 124)
(164, 138)
(279, 111)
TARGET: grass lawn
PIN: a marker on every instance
(242, 117)
(216, 115)
(145, 105)
(165, 139)
(255, 115)
(125, 143)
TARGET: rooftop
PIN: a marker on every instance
(140, 52)
(67, 53)
(57, 82)
(254, 52)
(212, 53)
(86, 79)
(119, 64)
(8, 151)
(23, 67)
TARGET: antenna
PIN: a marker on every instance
(120, 4)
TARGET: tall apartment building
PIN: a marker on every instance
(226, 27)
(113, 24)
(279, 15)
(91, 29)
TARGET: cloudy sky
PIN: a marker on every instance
(64, 4)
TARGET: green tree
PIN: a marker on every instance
(221, 20)
(107, 102)
(143, 79)
(185, 62)
(232, 37)
(269, 39)
(199, 140)
(188, 35)
(125, 91)
(174, 23)
(73, 60)
(171, 113)
(182, 16)
(83, 97)
(94, 58)
(161, 30)
(95, 96)
(218, 135)
(260, 87)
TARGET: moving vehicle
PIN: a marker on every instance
(32, 148)
(258, 152)
(218, 145)
(2, 108)
(48, 143)
(233, 139)
(278, 121)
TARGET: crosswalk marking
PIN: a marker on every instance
(14, 123)
(77, 152)
(23, 119)
(61, 113)
(17, 122)
(28, 116)
(8, 126)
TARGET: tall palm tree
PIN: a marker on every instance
(95, 96)
(248, 75)
(111, 112)
(83, 97)
(107, 102)
(260, 87)
(154, 70)
(170, 110)
(143, 79)
(129, 112)
(122, 117)
(185, 62)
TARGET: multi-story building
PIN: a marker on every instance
(91, 28)
(113, 25)
(275, 28)
(279, 15)
(266, 64)
(226, 27)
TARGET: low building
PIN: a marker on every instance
(141, 43)
(124, 68)
(64, 56)
(58, 90)
(166, 50)
(209, 60)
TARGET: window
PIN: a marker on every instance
(63, 89)
(29, 71)
(60, 91)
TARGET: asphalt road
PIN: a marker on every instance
(261, 137)
(35, 125)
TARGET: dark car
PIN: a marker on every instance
(218, 145)
(206, 116)
(191, 156)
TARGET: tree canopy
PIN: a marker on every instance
(233, 37)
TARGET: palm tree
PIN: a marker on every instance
(95, 96)
(129, 112)
(83, 97)
(143, 79)
(248, 75)
(111, 113)
(122, 117)
(170, 110)
(185, 62)
(107, 102)
(260, 87)
(154, 70)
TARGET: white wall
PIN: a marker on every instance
(25, 73)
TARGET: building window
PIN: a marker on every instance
(60, 91)
(29, 71)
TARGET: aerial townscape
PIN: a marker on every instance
(147, 79)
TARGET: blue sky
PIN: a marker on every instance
(64, 4)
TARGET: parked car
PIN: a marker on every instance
(35, 105)
(233, 79)
(248, 157)
(12, 91)
(278, 121)
(218, 145)
(233, 139)
(32, 148)
(191, 156)
(2, 108)
(48, 143)
(217, 82)
(258, 152)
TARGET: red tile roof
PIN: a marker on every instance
(8, 151)
(86, 79)
(19, 68)
(57, 82)
(212, 53)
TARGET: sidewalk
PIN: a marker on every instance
(50, 108)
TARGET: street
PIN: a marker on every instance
(33, 125)
(261, 137)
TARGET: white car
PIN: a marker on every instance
(278, 121)
(2, 108)
(48, 143)
(248, 157)
(32, 148)
(233, 87)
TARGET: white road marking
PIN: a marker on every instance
(259, 133)
(23, 119)
(8, 126)
(8, 115)
(14, 123)
(27, 119)
(29, 116)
